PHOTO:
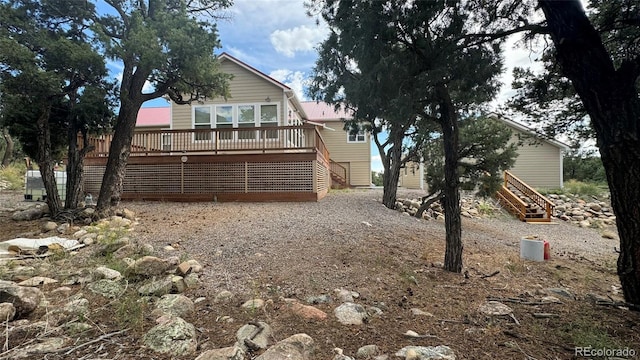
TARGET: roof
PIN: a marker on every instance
(291, 95)
(529, 130)
(154, 116)
(321, 112)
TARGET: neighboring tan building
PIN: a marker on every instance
(539, 161)
(352, 152)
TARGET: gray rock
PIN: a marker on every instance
(594, 206)
(38, 281)
(48, 226)
(351, 314)
(178, 285)
(107, 288)
(367, 351)
(24, 299)
(88, 239)
(223, 296)
(7, 312)
(149, 266)
(156, 287)
(562, 292)
(253, 304)
(77, 327)
(608, 234)
(176, 305)
(192, 280)
(79, 234)
(43, 346)
(28, 214)
(63, 228)
(440, 352)
(128, 214)
(77, 307)
(103, 272)
(228, 353)
(252, 337)
(296, 347)
(175, 336)
(110, 247)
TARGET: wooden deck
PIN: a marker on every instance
(289, 163)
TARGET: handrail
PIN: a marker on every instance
(516, 204)
(303, 138)
(339, 170)
(531, 193)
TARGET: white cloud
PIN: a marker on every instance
(293, 79)
(300, 38)
(376, 163)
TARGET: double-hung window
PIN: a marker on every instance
(224, 120)
(269, 118)
(236, 116)
(202, 120)
(246, 119)
(357, 137)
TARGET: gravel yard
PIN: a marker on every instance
(241, 242)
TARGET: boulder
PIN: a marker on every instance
(156, 287)
(174, 304)
(228, 353)
(24, 299)
(175, 336)
(28, 214)
(351, 314)
(103, 272)
(107, 288)
(440, 352)
(7, 312)
(296, 347)
(254, 336)
(149, 266)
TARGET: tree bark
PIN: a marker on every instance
(75, 166)
(392, 163)
(611, 99)
(112, 181)
(45, 162)
(8, 151)
(451, 194)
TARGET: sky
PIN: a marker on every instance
(279, 39)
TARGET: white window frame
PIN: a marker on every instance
(356, 137)
(213, 108)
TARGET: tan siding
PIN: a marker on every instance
(357, 155)
(538, 165)
(410, 176)
(246, 87)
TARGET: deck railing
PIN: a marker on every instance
(300, 138)
(537, 198)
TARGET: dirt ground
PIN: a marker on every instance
(393, 268)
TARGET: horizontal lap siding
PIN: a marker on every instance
(538, 165)
(410, 176)
(358, 155)
(245, 88)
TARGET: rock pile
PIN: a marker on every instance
(50, 301)
(471, 207)
(595, 213)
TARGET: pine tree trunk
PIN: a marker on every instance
(391, 174)
(8, 151)
(75, 167)
(611, 99)
(112, 182)
(45, 162)
(451, 193)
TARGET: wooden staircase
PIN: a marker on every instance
(523, 201)
(338, 175)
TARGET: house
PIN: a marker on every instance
(256, 145)
(350, 153)
(539, 161)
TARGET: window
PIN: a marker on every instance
(246, 118)
(358, 137)
(202, 120)
(224, 120)
(237, 116)
(269, 117)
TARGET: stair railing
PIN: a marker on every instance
(338, 171)
(528, 191)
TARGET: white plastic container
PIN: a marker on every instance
(532, 248)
